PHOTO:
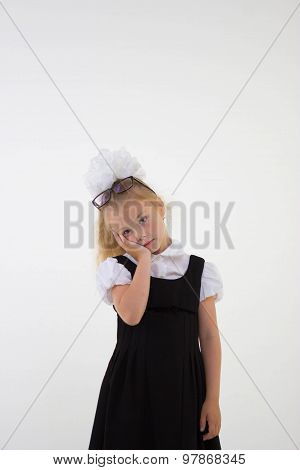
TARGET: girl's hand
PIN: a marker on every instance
(134, 249)
(211, 413)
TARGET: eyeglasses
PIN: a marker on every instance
(118, 187)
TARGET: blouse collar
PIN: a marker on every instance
(174, 249)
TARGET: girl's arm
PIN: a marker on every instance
(210, 347)
(131, 300)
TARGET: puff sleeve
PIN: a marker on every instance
(211, 283)
(110, 273)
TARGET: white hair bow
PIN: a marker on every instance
(108, 166)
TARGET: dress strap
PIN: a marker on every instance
(192, 280)
(130, 265)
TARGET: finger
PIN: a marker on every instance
(202, 422)
(212, 432)
(116, 235)
(208, 435)
(119, 240)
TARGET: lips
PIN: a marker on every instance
(148, 243)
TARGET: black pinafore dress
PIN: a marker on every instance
(154, 386)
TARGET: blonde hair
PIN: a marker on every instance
(106, 244)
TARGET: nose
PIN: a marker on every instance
(141, 236)
(142, 239)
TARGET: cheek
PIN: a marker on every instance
(158, 226)
(130, 237)
(150, 228)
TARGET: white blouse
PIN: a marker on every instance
(169, 264)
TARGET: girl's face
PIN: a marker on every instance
(139, 222)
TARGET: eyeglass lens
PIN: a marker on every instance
(103, 198)
(118, 187)
(123, 185)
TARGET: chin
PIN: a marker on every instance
(153, 248)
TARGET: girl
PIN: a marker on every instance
(160, 390)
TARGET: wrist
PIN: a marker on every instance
(145, 256)
(212, 399)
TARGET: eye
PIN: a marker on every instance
(144, 219)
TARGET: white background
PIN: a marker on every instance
(163, 78)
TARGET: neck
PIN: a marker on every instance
(166, 242)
